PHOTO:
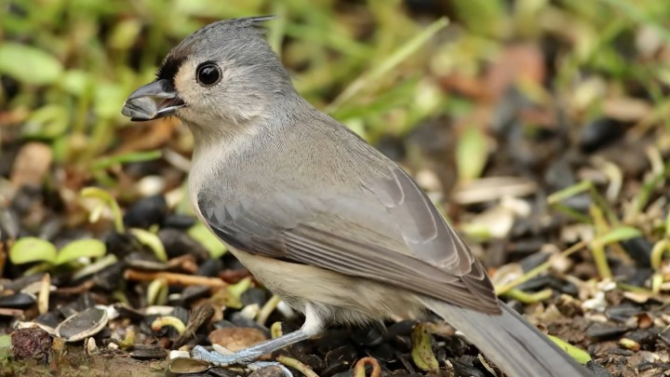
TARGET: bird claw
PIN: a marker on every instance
(215, 358)
(239, 358)
(263, 364)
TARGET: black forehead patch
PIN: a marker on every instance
(213, 31)
(169, 69)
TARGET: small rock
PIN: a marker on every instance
(33, 343)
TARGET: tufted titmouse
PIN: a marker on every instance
(320, 217)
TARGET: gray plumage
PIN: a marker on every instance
(319, 216)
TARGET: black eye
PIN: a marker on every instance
(208, 74)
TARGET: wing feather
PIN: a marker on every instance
(387, 231)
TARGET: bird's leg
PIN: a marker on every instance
(313, 326)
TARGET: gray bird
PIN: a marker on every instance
(320, 217)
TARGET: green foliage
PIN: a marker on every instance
(29, 64)
(5, 348)
(85, 248)
(200, 233)
(82, 58)
(472, 153)
(578, 354)
(152, 241)
(422, 350)
(31, 249)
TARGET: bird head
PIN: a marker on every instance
(223, 74)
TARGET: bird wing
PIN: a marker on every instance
(387, 230)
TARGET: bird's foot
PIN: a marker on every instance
(241, 358)
(220, 360)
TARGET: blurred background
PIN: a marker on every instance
(537, 94)
(534, 124)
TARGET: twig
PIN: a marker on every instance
(174, 279)
(79, 289)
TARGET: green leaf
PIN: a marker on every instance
(125, 34)
(29, 64)
(422, 350)
(203, 235)
(235, 293)
(106, 162)
(32, 249)
(75, 81)
(471, 154)
(79, 249)
(482, 16)
(47, 122)
(578, 354)
(620, 233)
(5, 347)
(106, 198)
(157, 292)
(569, 192)
(150, 239)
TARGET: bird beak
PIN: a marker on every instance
(152, 101)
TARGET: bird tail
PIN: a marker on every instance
(508, 340)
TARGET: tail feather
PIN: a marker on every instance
(512, 343)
